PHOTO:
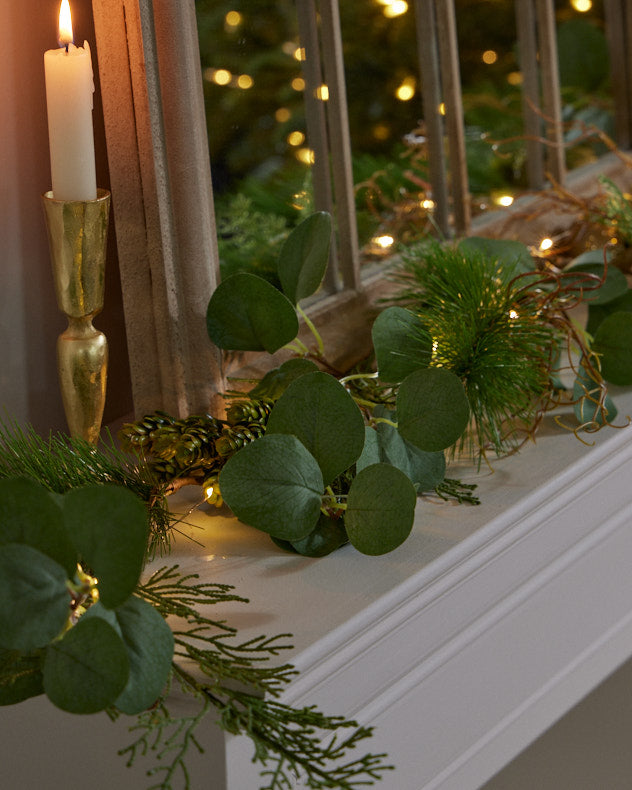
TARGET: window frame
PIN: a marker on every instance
(149, 66)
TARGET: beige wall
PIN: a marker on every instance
(29, 318)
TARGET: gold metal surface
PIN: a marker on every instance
(77, 235)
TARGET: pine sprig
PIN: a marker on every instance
(286, 738)
(487, 327)
(61, 463)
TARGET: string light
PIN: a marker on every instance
(514, 78)
(428, 204)
(322, 93)
(406, 90)
(233, 19)
(384, 242)
(581, 5)
(295, 138)
(441, 108)
(305, 155)
(489, 56)
(513, 315)
(298, 84)
(221, 76)
(546, 244)
(395, 8)
(381, 131)
(299, 53)
(504, 200)
(245, 81)
(282, 114)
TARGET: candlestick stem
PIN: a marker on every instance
(77, 235)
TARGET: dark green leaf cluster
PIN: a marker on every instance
(321, 476)
(61, 463)
(116, 654)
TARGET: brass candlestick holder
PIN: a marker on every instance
(77, 235)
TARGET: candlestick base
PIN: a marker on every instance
(77, 235)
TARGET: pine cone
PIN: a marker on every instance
(234, 438)
(247, 412)
(137, 436)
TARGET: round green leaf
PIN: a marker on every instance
(514, 254)
(109, 527)
(20, 676)
(586, 393)
(329, 534)
(432, 409)
(318, 410)
(597, 313)
(371, 452)
(34, 600)
(29, 514)
(380, 509)
(401, 342)
(425, 469)
(276, 381)
(149, 643)
(613, 340)
(614, 286)
(275, 485)
(246, 313)
(304, 256)
(86, 670)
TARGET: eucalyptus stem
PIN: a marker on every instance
(375, 420)
(356, 376)
(310, 325)
(298, 347)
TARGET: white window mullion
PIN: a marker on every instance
(453, 100)
(428, 56)
(316, 122)
(531, 105)
(618, 16)
(341, 162)
(551, 100)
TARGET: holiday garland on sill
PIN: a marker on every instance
(313, 461)
(78, 624)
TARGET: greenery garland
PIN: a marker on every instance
(473, 349)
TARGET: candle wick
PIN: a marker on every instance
(66, 48)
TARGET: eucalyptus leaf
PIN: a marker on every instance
(109, 526)
(34, 600)
(401, 342)
(29, 514)
(513, 254)
(586, 394)
(20, 676)
(276, 381)
(613, 341)
(86, 670)
(304, 256)
(380, 509)
(597, 313)
(371, 452)
(319, 411)
(614, 284)
(275, 485)
(432, 409)
(149, 643)
(328, 535)
(246, 313)
(425, 469)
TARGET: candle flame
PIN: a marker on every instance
(65, 24)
